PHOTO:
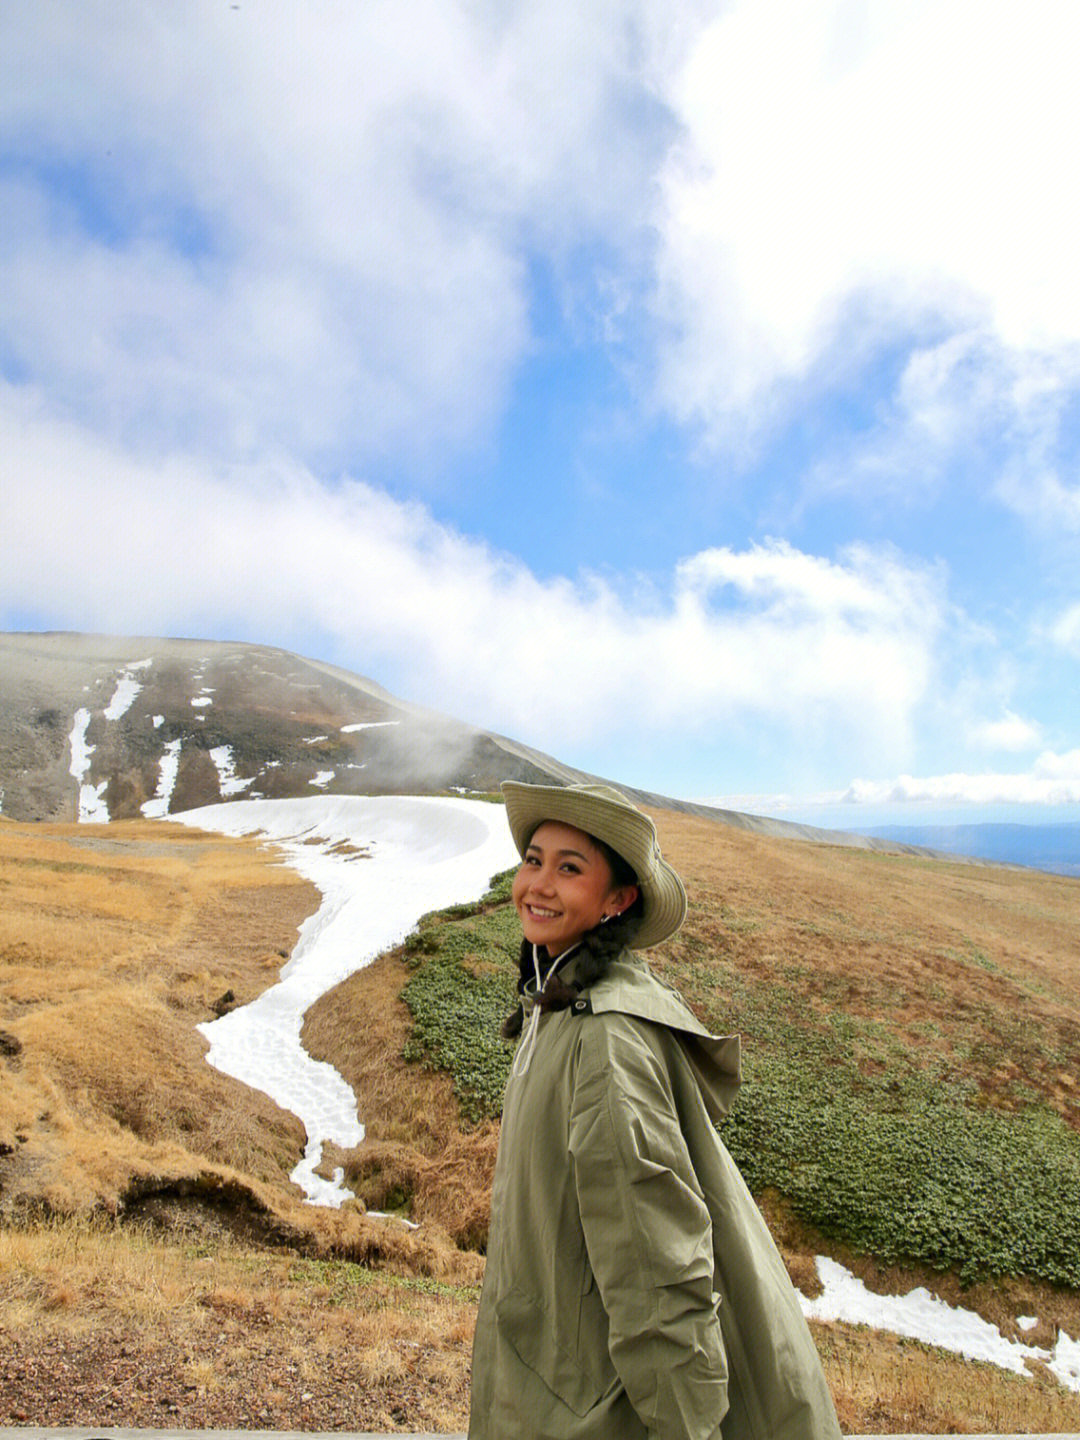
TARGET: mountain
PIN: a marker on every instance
(100, 728)
(1041, 847)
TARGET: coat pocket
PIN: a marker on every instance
(580, 1376)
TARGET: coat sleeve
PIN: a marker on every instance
(647, 1228)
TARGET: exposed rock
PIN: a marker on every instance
(224, 1003)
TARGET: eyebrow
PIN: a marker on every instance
(579, 854)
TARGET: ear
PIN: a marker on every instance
(620, 900)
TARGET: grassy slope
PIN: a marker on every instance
(115, 942)
(911, 1100)
(885, 1002)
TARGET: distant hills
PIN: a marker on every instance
(1042, 847)
(95, 728)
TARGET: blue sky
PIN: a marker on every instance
(691, 390)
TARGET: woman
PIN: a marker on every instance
(632, 1288)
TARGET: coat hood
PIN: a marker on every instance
(630, 988)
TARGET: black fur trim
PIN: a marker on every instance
(556, 995)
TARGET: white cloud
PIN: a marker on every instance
(1009, 732)
(312, 229)
(819, 651)
(255, 226)
(853, 175)
(1038, 494)
(1065, 631)
(1054, 779)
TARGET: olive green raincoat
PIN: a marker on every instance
(632, 1287)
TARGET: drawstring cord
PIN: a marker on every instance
(523, 1058)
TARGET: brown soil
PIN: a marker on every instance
(239, 1343)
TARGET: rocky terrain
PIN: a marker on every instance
(95, 728)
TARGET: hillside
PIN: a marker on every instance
(94, 728)
(911, 1029)
(887, 1004)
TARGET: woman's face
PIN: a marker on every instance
(564, 886)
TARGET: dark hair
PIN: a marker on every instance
(599, 946)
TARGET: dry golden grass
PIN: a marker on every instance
(114, 944)
(988, 954)
(886, 1385)
(414, 1146)
(146, 1323)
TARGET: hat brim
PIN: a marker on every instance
(600, 811)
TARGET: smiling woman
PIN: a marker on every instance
(566, 886)
(632, 1288)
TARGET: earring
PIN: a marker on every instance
(605, 918)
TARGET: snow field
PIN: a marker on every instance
(923, 1316)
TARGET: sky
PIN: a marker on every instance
(690, 390)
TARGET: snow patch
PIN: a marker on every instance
(923, 1316)
(367, 725)
(322, 779)
(228, 783)
(168, 767)
(127, 687)
(92, 807)
(425, 853)
(1064, 1363)
(200, 700)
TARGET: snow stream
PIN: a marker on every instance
(380, 863)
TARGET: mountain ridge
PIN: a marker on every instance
(114, 727)
(1054, 848)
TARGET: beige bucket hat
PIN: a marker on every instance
(602, 811)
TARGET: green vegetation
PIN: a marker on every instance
(909, 1170)
(892, 1149)
(464, 987)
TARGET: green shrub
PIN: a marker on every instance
(463, 987)
(908, 1171)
